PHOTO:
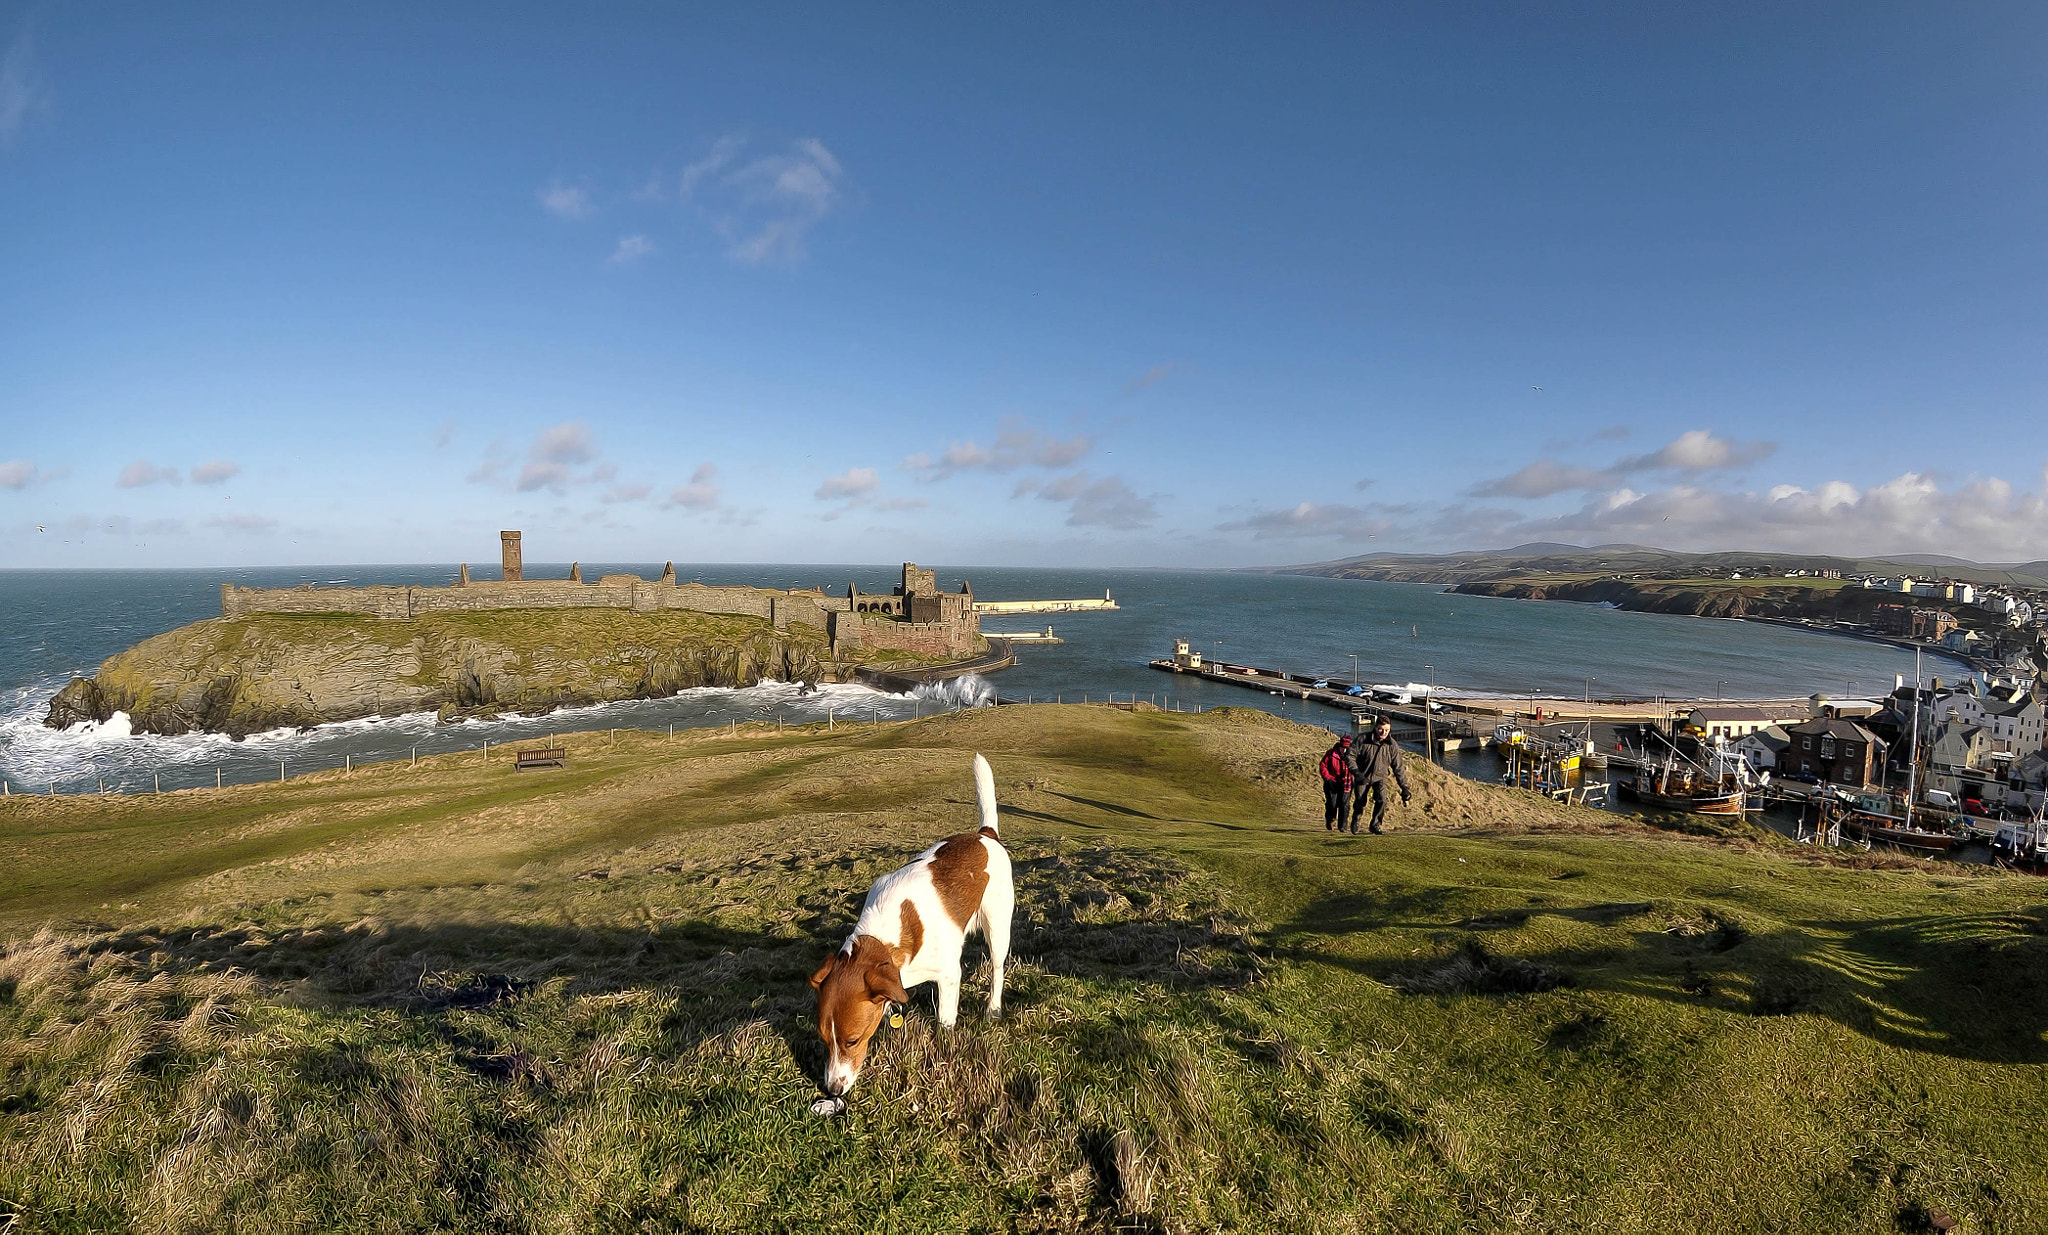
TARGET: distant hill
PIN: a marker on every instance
(1626, 559)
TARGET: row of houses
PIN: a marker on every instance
(1961, 593)
(1987, 742)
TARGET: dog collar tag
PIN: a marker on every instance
(895, 1019)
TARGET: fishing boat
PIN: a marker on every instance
(1882, 817)
(1721, 790)
(2023, 845)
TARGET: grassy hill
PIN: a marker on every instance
(1607, 560)
(457, 996)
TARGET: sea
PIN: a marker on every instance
(56, 625)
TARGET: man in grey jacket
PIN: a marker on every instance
(1376, 758)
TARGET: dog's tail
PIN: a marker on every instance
(985, 794)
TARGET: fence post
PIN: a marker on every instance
(415, 756)
(216, 776)
(157, 779)
(348, 763)
(280, 771)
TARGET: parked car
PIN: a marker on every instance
(1358, 691)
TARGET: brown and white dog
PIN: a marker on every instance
(912, 930)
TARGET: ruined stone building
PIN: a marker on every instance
(916, 617)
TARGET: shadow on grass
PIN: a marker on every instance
(1967, 986)
(1081, 915)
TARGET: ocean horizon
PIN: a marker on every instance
(60, 624)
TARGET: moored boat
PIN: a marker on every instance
(1691, 789)
(1880, 817)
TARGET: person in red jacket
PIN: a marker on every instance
(1338, 778)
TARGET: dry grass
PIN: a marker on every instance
(462, 999)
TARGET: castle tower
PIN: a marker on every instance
(508, 554)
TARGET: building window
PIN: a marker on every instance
(1806, 743)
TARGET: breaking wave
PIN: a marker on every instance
(86, 756)
(967, 691)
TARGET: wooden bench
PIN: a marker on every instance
(542, 757)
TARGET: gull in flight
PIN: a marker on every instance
(41, 528)
(1537, 389)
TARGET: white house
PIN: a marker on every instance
(1761, 748)
(2013, 723)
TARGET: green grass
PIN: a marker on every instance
(462, 997)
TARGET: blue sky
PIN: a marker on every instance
(1134, 284)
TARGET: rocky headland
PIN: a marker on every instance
(1695, 598)
(249, 674)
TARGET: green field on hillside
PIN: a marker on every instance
(462, 997)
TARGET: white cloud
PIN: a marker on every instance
(142, 472)
(1698, 450)
(702, 493)
(565, 201)
(1691, 452)
(1543, 478)
(1152, 376)
(901, 503)
(21, 91)
(568, 442)
(625, 493)
(1984, 519)
(18, 474)
(1014, 447)
(630, 249)
(551, 460)
(855, 484)
(243, 525)
(1107, 502)
(1307, 520)
(214, 471)
(763, 204)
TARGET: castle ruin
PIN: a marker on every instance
(916, 617)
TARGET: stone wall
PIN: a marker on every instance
(956, 633)
(938, 640)
(918, 618)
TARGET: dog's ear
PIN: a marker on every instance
(885, 985)
(825, 970)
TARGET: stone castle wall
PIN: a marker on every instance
(611, 592)
(941, 625)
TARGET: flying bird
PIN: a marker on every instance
(41, 528)
(1538, 389)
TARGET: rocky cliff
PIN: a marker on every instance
(1710, 598)
(248, 674)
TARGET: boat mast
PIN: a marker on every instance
(1913, 755)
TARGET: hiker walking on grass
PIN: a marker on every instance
(1338, 777)
(1373, 761)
